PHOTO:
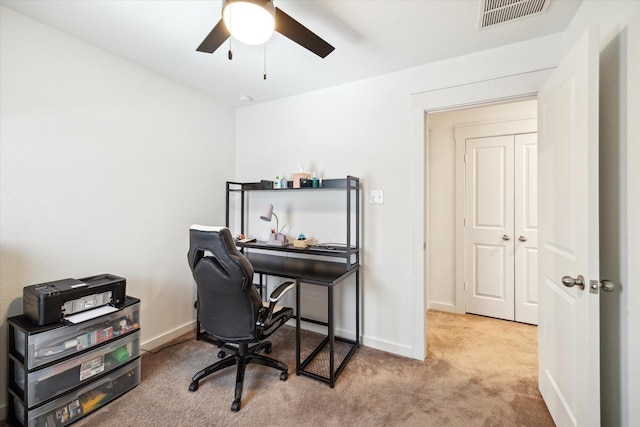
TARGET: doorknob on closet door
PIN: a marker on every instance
(506, 237)
(570, 282)
(522, 238)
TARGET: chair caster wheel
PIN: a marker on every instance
(221, 354)
(235, 406)
(284, 376)
(193, 386)
(267, 349)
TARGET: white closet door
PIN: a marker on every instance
(489, 270)
(526, 228)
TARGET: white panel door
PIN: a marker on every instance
(569, 321)
(489, 267)
(526, 228)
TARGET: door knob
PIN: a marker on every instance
(522, 238)
(570, 282)
(506, 237)
(607, 285)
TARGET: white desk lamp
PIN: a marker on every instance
(277, 238)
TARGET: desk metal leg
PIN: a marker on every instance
(298, 316)
(261, 286)
(332, 375)
(358, 308)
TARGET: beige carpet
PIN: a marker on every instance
(479, 372)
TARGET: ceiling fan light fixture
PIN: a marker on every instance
(250, 22)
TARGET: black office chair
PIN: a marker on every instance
(229, 306)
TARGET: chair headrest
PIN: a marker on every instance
(199, 227)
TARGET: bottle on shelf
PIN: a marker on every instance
(276, 182)
(314, 181)
(283, 181)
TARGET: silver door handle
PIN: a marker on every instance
(522, 238)
(506, 237)
(607, 285)
(570, 282)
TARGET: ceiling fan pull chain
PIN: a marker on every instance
(230, 54)
(264, 75)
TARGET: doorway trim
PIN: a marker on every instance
(492, 91)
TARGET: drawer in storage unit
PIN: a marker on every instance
(70, 407)
(44, 345)
(49, 382)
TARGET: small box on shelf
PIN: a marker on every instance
(299, 177)
(302, 243)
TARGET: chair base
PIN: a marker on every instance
(242, 356)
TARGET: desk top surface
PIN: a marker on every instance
(307, 270)
(327, 249)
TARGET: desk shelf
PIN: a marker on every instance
(350, 183)
(311, 266)
(318, 364)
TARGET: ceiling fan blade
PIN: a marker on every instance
(292, 29)
(216, 37)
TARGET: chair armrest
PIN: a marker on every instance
(264, 318)
(278, 292)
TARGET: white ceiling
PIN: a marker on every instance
(371, 38)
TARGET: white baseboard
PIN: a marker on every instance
(449, 308)
(163, 339)
(389, 347)
(375, 343)
(308, 326)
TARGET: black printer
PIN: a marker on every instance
(51, 302)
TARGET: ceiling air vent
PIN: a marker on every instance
(494, 12)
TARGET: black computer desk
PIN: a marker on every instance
(321, 364)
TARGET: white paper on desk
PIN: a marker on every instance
(91, 314)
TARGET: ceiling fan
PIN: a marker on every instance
(244, 18)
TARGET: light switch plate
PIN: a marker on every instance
(376, 197)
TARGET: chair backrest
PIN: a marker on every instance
(228, 301)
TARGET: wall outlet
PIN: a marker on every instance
(376, 197)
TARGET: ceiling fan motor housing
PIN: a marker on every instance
(250, 21)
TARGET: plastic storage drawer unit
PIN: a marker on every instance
(75, 405)
(55, 380)
(41, 345)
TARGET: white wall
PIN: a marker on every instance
(631, 209)
(103, 167)
(364, 129)
(441, 265)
